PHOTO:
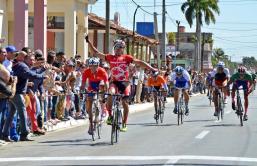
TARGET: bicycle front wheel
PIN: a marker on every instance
(240, 111)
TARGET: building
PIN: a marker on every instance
(64, 22)
(143, 46)
(184, 55)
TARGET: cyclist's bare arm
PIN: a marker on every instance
(95, 50)
(143, 64)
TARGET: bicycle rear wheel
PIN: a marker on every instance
(161, 111)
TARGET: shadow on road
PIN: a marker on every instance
(151, 124)
(79, 142)
(192, 121)
(223, 125)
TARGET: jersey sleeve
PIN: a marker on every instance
(186, 75)
(226, 71)
(161, 80)
(104, 75)
(249, 77)
(233, 77)
(172, 76)
(108, 57)
(129, 58)
(149, 81)
(85, 76)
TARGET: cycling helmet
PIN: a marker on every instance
(94, 61)
(118, 44)
(241, 69)
(155, 73)
(179, 70)
(221, 64)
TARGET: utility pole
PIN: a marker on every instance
(157, 38)
(163, 32)
(177, 47)
(202, 51)
(107, 27)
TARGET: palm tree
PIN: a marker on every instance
(199, 9)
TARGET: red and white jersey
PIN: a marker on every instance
(119, 66)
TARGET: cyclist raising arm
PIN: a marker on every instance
(181, 79)
(244, 79)
(94, 74)
(119, 66)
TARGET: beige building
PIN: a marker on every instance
(22, 28)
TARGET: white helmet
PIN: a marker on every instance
(94, 61)
(119, 44)
(221, 64)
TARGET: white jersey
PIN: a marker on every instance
(214, 72)
(181, 82)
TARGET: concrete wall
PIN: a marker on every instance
(3, 22)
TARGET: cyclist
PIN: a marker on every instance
(244, 79)
(95, 75)
(209, 84)
(181, 79)
(220, 77)
(119, 67)
(157, 82)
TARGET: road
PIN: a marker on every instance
(201, 140)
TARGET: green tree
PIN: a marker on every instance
(171, 38)
(199, 10)
(249, 61)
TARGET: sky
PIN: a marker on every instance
(235, 30)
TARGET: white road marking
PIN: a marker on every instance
(171, 162)
(134, 158)
(202, 134)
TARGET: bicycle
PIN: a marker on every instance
(181, 107)
(239, 108)
(220, 101)
(116, 117)
(96, 112)
(159, 107)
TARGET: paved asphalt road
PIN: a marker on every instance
(201, 140)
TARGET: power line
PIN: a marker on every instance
(142, 8)
(232, 40)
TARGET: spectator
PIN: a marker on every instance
(22, 71)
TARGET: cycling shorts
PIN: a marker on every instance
(123, 87)
(245, 84)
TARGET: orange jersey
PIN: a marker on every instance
(159, 81)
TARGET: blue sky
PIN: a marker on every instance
(235, 30)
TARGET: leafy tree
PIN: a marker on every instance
(198, 10)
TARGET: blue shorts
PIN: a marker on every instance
(243, 83)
